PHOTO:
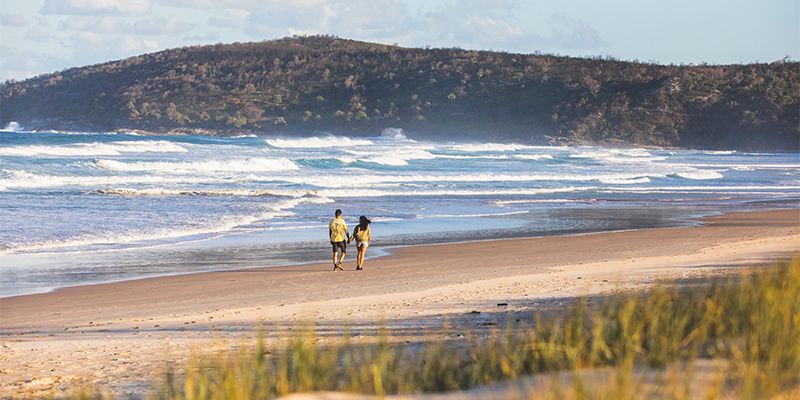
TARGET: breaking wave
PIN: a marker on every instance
(246, 165)
(95, 149)
(317, 142)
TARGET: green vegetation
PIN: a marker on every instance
(750, 325)
(302, 85)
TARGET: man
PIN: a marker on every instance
(337, 230)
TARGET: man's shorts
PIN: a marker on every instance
(338, 245)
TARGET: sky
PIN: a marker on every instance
(44, 36)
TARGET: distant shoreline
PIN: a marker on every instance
(546, 141)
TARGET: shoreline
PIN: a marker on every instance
(686, 221)
(118, 333)
(390, 253)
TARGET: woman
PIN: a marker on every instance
(362, 236)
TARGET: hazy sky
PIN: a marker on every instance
(40, 36)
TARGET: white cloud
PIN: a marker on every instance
(298, 32)
(76, 23)
(162, 26)
(132, 44)
(105, 25)
(23, 64)
(95, 7)
(473, 24)
(211, 36)
(86, 40)
(38, 35)
(236, 19)
(569, 33)
(15, 20)
(377, 20)
(245, 4)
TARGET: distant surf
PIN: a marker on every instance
(152, 197)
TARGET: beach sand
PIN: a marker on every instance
(120, 334)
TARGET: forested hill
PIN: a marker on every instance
(308, 85)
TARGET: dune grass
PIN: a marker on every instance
(749, 324)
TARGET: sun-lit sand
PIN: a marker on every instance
(120, 334)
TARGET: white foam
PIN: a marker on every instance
(372, 179)
(700, 175)
(624, 181)
(317, 142)
(702, 189)
(473, 215)
(394, 134)
(479, 147)
(25, 179)
(396, 157)
(742, 167)
(13, 126)
(479, 157)
(618, 155)
(95, 149)
(534, 156)
(256, 164)
(178, 192)
(309, 196)
(159, 236)
(362, 192)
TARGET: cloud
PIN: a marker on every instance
(211, 36)
(132, 44)
(15, 20)
(38, 35)
(474, 24)
(236, 18)
(366, 20)
(220, 22)
(163, 26)
(570, 33)
(245, 4)
(88, 40)
(23, 64)
(105, 25)
(95, 7)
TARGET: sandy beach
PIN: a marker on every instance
(120, 334)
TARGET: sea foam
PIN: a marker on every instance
(94, 149)
(242, 165)
(318, 142)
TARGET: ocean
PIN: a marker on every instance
(86, 208)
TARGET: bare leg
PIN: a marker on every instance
(360, 258)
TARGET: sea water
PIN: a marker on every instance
(84, 208)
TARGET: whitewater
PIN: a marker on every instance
(83, 208)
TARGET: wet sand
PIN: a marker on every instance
(119, 334)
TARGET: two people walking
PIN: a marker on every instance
(340, 238)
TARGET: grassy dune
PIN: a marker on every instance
(627, 345)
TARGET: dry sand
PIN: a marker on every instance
(120, 334)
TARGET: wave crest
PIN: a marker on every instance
(317, 142)
(257, 164)
(95, 149)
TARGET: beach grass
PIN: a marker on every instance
(623, 346)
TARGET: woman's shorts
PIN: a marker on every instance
(362, 244)
(338, 245)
